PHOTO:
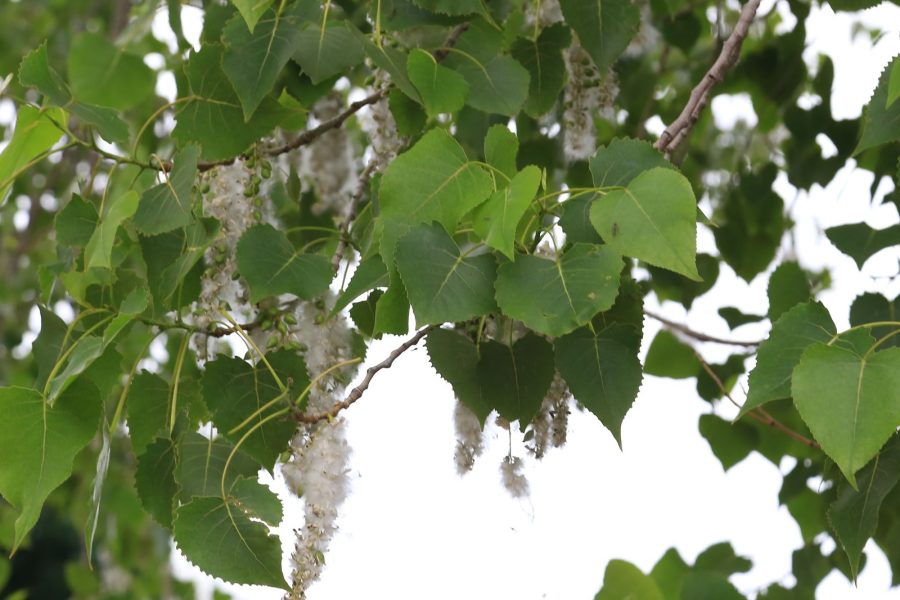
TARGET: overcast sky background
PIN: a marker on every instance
(412, 528)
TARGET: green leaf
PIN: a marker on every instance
(860, 242)
(501, 147)
(326, 52)
(670, 357)
(671, 286)
(235, 391)
(370, 274)
(220, 539)
(603, 374)
(556, 296)
(452, 7)
(623, 160)
(252, 10)
(791, 334)
(652, 219)
(854, 514)
(497, 219)
(624, 580)
(669, 573)
(154, 479)
(850, 403)
(105, 75)
(442, 90)
(392, 310)
(271, 266)
(394, 62)
(871, 308)
(212, 107)
(35, 71)
(44, 442)
(442, 284)
(37, 130)
(788, 287)
(604, 27)
(730, 442)
(363, 314)
(721, 558)
(704, 585)
(98, 251)
(167, 206)
(514, 380)
(455, 358)
(498, 86)
(543, 59)
(735, 318)
(48, 345)
(254, 56)
(432, 181)
(76, 222)
(257, 500)
(880, 121)
(148, 409)
(201, 463)
(893, 84)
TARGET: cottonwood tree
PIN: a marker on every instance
(208, 267)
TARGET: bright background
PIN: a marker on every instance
(412, 528)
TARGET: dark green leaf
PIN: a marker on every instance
(442, 90)
(154, 480)
(514, 380)
(871, 308)
(76, 222)
(670, 357)
(105, 75)
(880, 121)
(148, 409)
(556, 296)
(256, 500)
(455, 358)
(721, 558)
(735, 318)
(788, 286)
(604, 27)
(370, 274)
(98, 251)
(704, 585)
(543, 59)
(623, 160)
(325, 52)
(501, 147)
(392, 310)
(252, 10)
(49, 344)
(860, 242)
(730, 442)
(201, 463)
(452, 7)
(498, 86)
(167, 205)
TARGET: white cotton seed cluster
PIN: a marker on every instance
(542, 13)
(550, 423)
(380, 127)
(647, 38)
(329, 161)
(513, 478)
(587, 94)
(469, 439)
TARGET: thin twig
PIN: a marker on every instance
(450, 42)
(681, 127)
(703, 337)
(357, 392)
(757, 413)
(361, 186)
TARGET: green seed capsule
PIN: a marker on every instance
(282, 327)
(273, 341)
(266, 325)
(290, 319)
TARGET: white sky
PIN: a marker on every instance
(412, 528)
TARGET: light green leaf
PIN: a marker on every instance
(604, 27)
(623, 580)
(670, 357)
(432, 181)
(442, 90)
(850, 403)
(105, 75)
(167, 206)
(252, 10)
(602, 373)
(98, 251)
(622, 160)
(271, 266)
(326, 52)
(256, 500)
(455, 358)
(201, 462)
(799, 327)
(44, 442)
(556, 296)
(216, 536)
(37, 130)
(35, 71)
(514, 380)
(497, 219)
(652, 219)
(880, 120)
(154, 479)
(394, 62)
(705, 585)
(212, 107)
(442, 284)
(854, 514)
(788, 286)
(76, 222)
(501, 148)
(543, 59)
(498, 86)
(235, 391)
(731, 442)
(254, 57)
(860, 242)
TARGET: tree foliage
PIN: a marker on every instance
(320, 173)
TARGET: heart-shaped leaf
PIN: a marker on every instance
(497, 219)
(442, 90)
(514, 380)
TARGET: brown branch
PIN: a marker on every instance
(450, 42)
(702, 337)
(357, 392)
(758, 413)
(679, 129)
(343, 242)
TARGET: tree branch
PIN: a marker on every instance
(343, 242)
(357, 392)
(681, 127)
(702, 337)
